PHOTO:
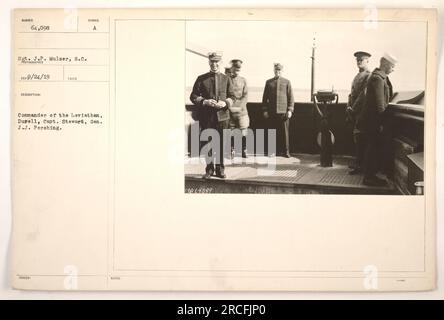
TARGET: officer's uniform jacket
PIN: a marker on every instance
(379, 91)
(212, 86)
(278, 96)
(356, 98)
(240, 89)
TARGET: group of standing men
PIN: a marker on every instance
(370, 95)
(222, 99)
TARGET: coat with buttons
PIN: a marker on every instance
(212, 86)
(356, 99)
(240, 89)
(278, 96)
(379, 92)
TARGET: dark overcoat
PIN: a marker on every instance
(356, 99)
(212, 86)
(379, 91)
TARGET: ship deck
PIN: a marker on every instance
(301, 174)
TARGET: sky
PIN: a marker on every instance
(261, 43)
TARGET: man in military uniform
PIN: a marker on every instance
(379, 92)
(277, 107)
(213, 95)
(238, 111)
(356, 100)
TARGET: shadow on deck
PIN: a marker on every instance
(300, 174)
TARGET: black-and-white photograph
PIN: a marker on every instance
(310, 141)
(305, 107)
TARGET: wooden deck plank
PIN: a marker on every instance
(298, 171)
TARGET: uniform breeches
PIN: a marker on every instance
(282, 126)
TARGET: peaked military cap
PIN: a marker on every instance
(236, 63)
(360, 54)
(214, 56)
(278, 66)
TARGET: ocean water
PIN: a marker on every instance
(300, 95)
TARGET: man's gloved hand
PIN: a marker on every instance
(209, 102)
(289, 114)
(349, 117)
(221, 104)
(266, 116)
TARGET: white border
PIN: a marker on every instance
(5, 202)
